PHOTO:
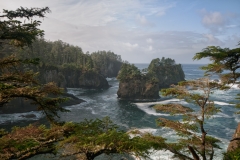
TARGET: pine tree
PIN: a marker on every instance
(18, 29)
(193, 134)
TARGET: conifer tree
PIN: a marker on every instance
(18, 29)
(225, 62)
(194, 143)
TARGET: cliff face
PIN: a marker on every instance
(91, 80)
(168, 75)
(113, 69)
(136, 85)
(73, 78)
(235, 142)
(138, 89)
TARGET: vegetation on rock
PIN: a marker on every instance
(134, 84)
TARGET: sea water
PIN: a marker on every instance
(131, 115)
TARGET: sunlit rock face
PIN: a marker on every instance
(235, 142)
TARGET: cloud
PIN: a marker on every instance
(150, 48)
(214, 18)
(111, 25)
(129, 45)
(218, 22)
(149, 40)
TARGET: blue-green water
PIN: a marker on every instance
(129, 115)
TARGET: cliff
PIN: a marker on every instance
(138, 89)
(168, 75)
(160, 74)
(73, 78)
(235, 142)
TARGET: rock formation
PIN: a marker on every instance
(73, 78)
(160, 74)
(235, 142)
(138, 89)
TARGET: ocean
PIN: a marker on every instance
(131, 115)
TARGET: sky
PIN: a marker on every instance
(140, 30)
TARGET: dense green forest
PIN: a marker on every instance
(64, 55)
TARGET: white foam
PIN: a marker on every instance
(161, 155)
(20, 116)
(221, 115)
(234, 86)
(150, 110)
(222, 103)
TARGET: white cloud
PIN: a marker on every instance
(131, 45)
(217, 22)
(150, 48)
(142, 20)
(149, 40)
(213, 18)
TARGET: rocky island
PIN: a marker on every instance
(145, 85)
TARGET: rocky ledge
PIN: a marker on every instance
(21, 105)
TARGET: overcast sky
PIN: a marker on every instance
(140, 30)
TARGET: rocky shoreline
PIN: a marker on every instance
(21, 105)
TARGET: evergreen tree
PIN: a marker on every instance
(193, 135)
(14, 81)
(226, 64)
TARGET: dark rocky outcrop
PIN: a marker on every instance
(21, 105)
(73, 78)
(138, 89)
(111, 69)
(235, 142)
(160, 74)
(168, 75)
(91, 80)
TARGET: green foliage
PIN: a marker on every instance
(14, 80)
(233, 155)
(127, 72)
(191, 129)
(94, 137)
(156, 63)
(223, 59)
(19, 34)
(25, 142)
(63, 55)
(165, 72)
(225, 63)
(172, 108)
